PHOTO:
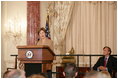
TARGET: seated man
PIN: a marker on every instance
(107, 62)
(70, 71)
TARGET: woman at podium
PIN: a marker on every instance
(43, 40)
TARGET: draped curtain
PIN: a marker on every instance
(59, 16)
(92, 26)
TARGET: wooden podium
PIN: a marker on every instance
(36, 54)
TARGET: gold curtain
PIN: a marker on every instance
(92, 26)
(59, 18)
(60, 15)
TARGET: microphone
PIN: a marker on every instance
(37, 41)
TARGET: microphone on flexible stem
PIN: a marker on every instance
(37, 41)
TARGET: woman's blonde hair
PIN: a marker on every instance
(43, 29)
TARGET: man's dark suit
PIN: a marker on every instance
(111, 64)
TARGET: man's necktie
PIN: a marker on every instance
(105, 62)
